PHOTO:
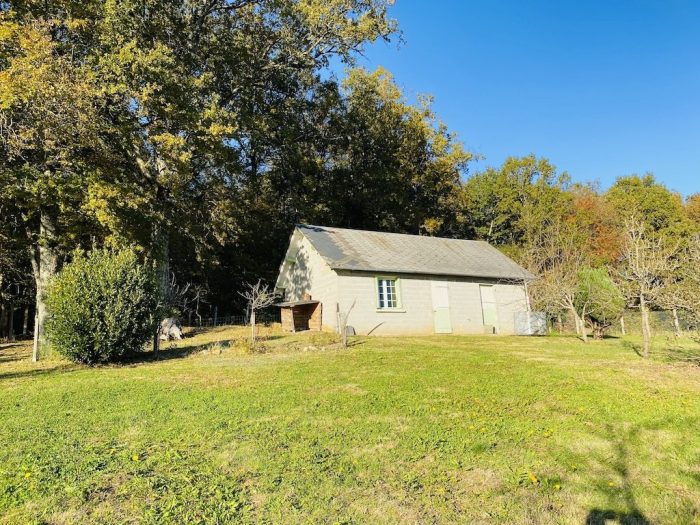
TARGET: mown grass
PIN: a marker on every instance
(391, 430)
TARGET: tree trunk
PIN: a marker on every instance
(646, 328)
(576, 321)
(3, 321)
(622, 326)
(252, 328)
(25, 321)
(161, 253)
(598, 331)
(580, 324)
(11, 322)
(676, 323)
(584, 331)
(44, 266)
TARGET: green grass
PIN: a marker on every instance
(391, 430)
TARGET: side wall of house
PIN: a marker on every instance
(309, 273)
(415, 314)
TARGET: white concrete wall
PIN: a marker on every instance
(416, 313)
(310, 274)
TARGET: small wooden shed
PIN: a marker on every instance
(301, 315)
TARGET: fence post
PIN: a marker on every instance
(216, 309)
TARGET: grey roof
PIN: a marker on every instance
(361, 250)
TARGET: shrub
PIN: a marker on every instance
(102, 306)
(598, 299)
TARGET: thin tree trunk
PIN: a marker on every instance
(156, 338)
(11, 323)
(622, 325)
(252, 328)
(576, 321)
(44, 266)
(580, 326)
(25, 321)
(161, 253)
(584, 331)
(646, 328)
(3, 321)
(676, 323)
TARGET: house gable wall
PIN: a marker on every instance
(305, 272)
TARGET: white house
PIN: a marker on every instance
(399, 284)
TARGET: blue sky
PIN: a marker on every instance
(601, 88)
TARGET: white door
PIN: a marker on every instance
(441, 307)
(488, 305)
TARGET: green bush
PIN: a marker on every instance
(598, 299)
(101, 306)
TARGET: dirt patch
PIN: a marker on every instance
(478, 481)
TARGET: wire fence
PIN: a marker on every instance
(263, 318)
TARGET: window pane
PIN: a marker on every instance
(387, 293)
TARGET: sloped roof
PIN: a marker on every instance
(360, 250)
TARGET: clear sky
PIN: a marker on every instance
(601, 88)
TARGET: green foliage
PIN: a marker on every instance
(598, 299)
(511, 204)
(358, 155)
(50, 130)
(171, 115)
(645, 199)
(389, 431)
(376, 161)
(102, 306)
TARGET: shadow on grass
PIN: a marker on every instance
(629, 345)
(604, 517)
(10, 358)
(173, 352)
(11, 344)
(11, 351)
(619, 464)
(265, 338)
(682, 354)
(36, 372)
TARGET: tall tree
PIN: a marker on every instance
(558, 257)
(160, 108)
(50, 129)
(598, 224)
(356, 154)
(373, 160)
(510, 205)
(643, 197)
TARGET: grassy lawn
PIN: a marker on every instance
(391, 430)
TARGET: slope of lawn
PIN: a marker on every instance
(391, 430)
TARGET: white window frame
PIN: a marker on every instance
(397, 293)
